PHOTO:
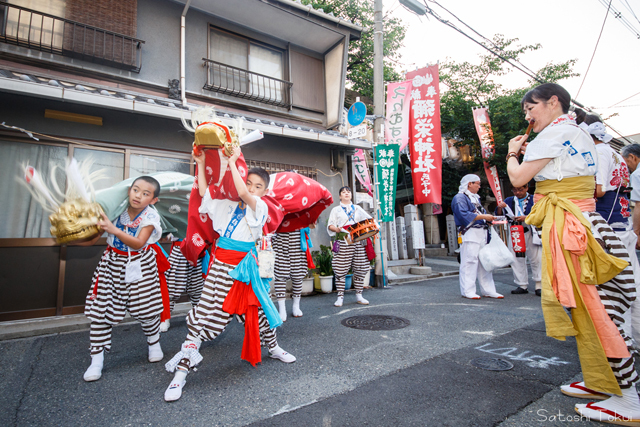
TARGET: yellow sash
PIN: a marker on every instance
(596, 266)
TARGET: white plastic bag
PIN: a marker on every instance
(495, 254)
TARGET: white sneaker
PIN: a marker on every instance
(280, 354)
(174, 391)
(155, 353)
(339, 302)
(360, 300)
(164, 326)
(94, 371)
(296, 307)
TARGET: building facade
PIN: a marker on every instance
(111, 80)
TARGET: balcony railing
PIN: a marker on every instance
(48, 33)
(245, 84)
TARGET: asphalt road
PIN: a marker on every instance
(420, 375)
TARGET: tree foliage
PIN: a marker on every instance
(470, 85)
(360, 64)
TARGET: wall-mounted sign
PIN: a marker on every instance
(359, 131)
(356, 113)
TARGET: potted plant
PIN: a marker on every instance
(307, 283)
(322, 259)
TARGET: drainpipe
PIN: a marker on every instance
(183, 21)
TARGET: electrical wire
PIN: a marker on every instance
(619, 102)
(620, 17)
(595, 48)
(631, 10)
(533, 76)
(485, 38)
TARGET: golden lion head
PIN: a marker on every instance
(215, 135)
(75, 220)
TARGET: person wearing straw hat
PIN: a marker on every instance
(472, 221)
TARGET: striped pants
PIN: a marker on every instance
(207, 320)
(617, 296)
(354, 258)
(183, 277)
(291, 263)
(110, 297)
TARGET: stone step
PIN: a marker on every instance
(424, 271)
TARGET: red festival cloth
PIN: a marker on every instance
(163, 267)
(302, 199)
(200, 232)
(242, 300)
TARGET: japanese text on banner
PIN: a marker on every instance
(483, 128)
(425, 136)
(361, 169)
(387, 170)
(398, 111)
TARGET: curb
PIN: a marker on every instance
(59, 324)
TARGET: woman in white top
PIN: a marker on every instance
(563, 161)
(349, 256)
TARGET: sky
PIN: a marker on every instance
(565, 29)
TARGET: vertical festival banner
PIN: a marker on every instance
(425, 135)
(483, 127)
(387, 171)
(361, 169)
(398, 110)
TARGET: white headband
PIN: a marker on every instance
(464, 183)
(598, 130)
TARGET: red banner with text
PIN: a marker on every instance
(425, 141)
(483, 127)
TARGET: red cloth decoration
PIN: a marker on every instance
(370, 250)
(200, 232)
(242, 300)
(302, 199)
(163, 266)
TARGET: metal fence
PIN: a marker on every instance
(245, 84)
(48, 33)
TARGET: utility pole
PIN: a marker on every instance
(378, 137)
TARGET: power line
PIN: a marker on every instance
(505, 59)
(619, 16)
(485, 38)
(533, 76)
(631, 10)
(595, 48)
(624, 99)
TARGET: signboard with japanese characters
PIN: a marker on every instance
(483, 127)
(425, 136)
(387, 171)
(361, 169)
(398, 111)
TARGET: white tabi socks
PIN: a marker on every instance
(164, 326)
(174, 391)
(625, 408)
(282, 310)
(339, 302)
(94, 372)
(360, 300)
(155, 351)
(296, 306)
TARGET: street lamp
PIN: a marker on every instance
(415, 6)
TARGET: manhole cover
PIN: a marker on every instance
(375, 322)
(492, 364)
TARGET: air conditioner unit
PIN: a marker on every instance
(338, 159)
